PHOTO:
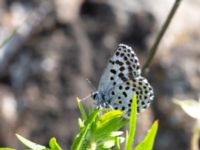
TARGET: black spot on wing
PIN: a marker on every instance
(127, 88)
(122, 77)
(122, 68)
(112, 62)
(113, 93)
(120, 87)
(117, 53)
(113, 71)
(111, 78)
(119, 62)
(123, 107)
(125, 94)
(128, 63)
(125, 58)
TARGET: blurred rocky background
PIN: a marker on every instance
(49, 49)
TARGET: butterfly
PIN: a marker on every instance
(120, 80)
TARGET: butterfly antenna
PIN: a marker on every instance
(83, 99)
(92, 86)
(90, 83)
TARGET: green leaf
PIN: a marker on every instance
(90, 110)
(132, 124)
(81, 137)
(54, 145)
(109, 122)
(107, 128)
(80, 123)
(107, 118)
(109, 143)
(30, 144)
(127, 133)
(110, 115)
(5, 148)
(116, 133)
(81, 108)
(117, 143)
(148, 141)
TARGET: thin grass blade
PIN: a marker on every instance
(81, 108)
(132, 124)
(30, 144)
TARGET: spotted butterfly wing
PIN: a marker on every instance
(120, 97)
(123, 68)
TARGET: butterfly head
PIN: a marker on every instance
(95, 95)
(98, 98)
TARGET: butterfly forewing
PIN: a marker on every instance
(122, 66)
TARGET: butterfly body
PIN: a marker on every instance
(120, 80)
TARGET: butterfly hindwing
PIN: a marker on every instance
(120, 97)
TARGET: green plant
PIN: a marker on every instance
(99, 130)
(53, 145)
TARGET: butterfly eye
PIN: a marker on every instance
(94, 95)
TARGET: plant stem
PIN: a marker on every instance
(160, 35)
